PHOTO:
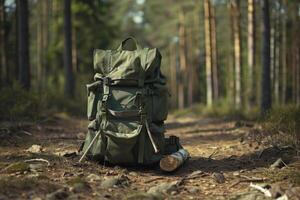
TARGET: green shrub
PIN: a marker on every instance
(220, 109)
(18, 104)
(282, 125)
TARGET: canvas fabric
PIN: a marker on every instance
(127, 101)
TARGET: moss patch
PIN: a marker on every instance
(290, 174)
(76, 180)
(16, 167)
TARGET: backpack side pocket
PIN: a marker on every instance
(94, 93)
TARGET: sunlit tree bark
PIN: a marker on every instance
(235, 12)
(214, 53)
(251, 51)
(208, 56)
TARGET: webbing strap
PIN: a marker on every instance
(142, 75)
(141, 103)
(103, 115)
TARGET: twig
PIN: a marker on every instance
(26, 132)
(247, 179)
(38, 160)
(154, 179)
(213, 153)
(266, 192)
(253, 178)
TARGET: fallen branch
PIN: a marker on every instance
(266, 192)
(173, 161)
(154, 179)
(38, 160)
(247, 180)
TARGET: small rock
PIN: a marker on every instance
(36, 167)
(81, 187)
(235, 173)
(58, 194)
(35, 149)
(118, 181)
(163, 188)
(133, 174)
(218, 177)
(93, 178)
(193, 190)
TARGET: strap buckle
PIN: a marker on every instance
(106, 80)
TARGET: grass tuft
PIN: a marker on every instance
(282, 126)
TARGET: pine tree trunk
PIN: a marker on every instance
(69, 82)
(23, 44)
(272, 53)
(297, 74)
(214, 54)
(251, 51)
(235, 10)
(40, 47)
(3, 62)
(173, 75)
(191, 71)
(45, 31)
(208, 56)
(284, 58)
(266, 82)
(74, 50)
(276, 56)
(183, 61)
(231, 76)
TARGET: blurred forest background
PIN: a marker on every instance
(221, 57)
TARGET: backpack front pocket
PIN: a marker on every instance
(121, 145)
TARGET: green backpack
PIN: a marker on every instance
(127, 106)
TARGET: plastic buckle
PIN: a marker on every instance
(106, 80)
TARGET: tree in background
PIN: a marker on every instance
(69, 76)
(208, 54)
(183, 61)
(235, 13)
(214, 54)
(251, 51)
(3, 62)
(283, 52)
(23, 44)
(266, 81)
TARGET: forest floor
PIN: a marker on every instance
(226, 156)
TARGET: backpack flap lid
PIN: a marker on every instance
(134, 64)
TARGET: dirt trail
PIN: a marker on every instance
(218, 147)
